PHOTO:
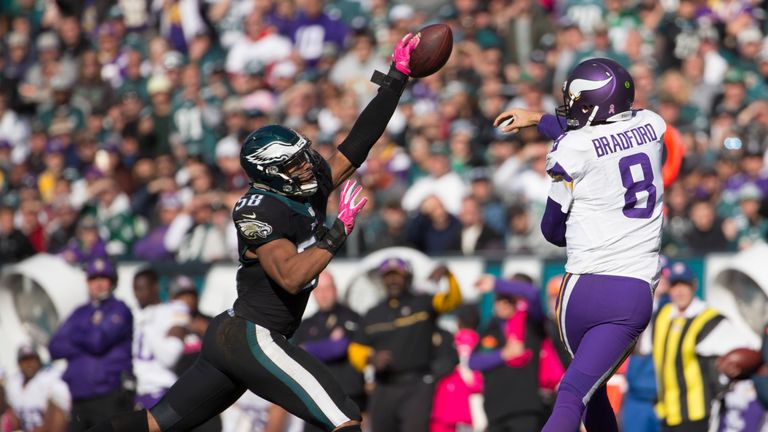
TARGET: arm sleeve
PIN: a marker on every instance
(551, 126)
(553, 222)
(483, 361)
(370, 125)
(61, 346)
(449, 300)
(524, 290)
(327, 349)
(358, 355)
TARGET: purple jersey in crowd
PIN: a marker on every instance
(96, 342)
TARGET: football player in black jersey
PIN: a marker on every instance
(283, 246)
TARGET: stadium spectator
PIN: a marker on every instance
(259, 43)
(685, 392)
(550, 325)
(433, 230)
(326, 335)
(508, 355)
(393, 233)
(458, 396)
(751, 226)
(38, 398)
(401, 355)
(63, 224)
(14, 245)
(440, 182)
(158, 336)
(87, 244)
(707, 232)
(313, 30)
(353, 69)
(192, 235)
(481, 189)
(14, 130)
(152, 246)
(475, 236)
(96, 342)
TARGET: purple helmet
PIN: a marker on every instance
(598, 90)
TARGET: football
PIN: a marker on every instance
(744, 361)
(433, 50)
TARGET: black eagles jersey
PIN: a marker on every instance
(261, 216)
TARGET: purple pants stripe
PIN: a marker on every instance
(600, 318)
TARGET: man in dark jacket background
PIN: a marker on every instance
(326, 335)
(96, 342)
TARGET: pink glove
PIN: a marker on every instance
(402, 54)
(348, 210)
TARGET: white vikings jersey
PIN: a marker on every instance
(29, 402)
(154, 352)
(612, 190)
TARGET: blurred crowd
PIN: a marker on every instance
(120, 123)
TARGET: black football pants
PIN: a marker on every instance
(239, 355)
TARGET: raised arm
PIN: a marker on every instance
(368, 128)
(293, 270)
(449, 300)
(524, 290)
(549, 125)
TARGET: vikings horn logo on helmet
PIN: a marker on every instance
(581, 85)
(274, 152)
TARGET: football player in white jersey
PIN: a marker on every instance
(158, 339)
(605, 208)
(39, 398)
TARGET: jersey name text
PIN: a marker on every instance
(610, 144)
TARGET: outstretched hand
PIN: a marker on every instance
(515, 119)
(401, 56)
(348, 209)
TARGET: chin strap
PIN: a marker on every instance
(592, 116)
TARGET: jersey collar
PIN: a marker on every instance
(303, 208)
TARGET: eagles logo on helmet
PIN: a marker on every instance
(598, 90)
(280, 160)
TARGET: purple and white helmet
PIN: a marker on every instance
(598, 90)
